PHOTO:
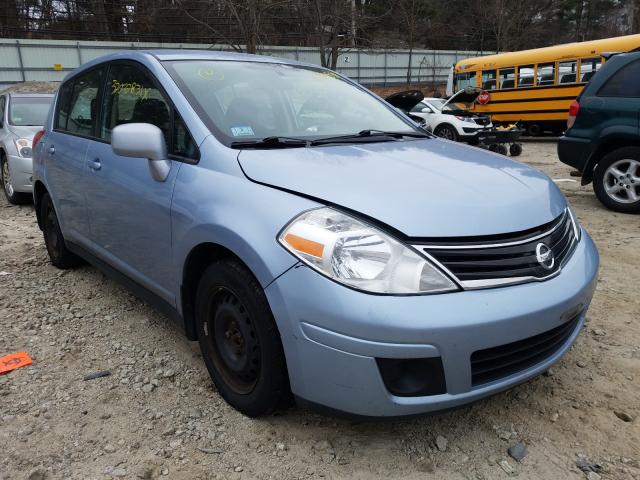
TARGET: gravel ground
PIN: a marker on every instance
(157, 414)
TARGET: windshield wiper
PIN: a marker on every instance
(271, 142)
(377, 135)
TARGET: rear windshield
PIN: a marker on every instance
(29, 111)
(254, 100)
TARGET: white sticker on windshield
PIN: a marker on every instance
(242, 131)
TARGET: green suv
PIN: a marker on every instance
(603, 136)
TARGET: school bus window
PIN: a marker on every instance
(525, 75)
(567, 71)
(546, 74)
(488, 79)
(507, 77)
(464, 80)
(588, 67)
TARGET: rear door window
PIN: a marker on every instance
(80, 116)
(624, 83)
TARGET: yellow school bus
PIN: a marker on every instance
(536, 87)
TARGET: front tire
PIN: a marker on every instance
(59, 254)
(446, 131)
(239, 339)
(616, 180)
(13, 197)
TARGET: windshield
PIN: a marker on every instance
(29, 111)
(437, 103)
(456, 107)
(242, 101)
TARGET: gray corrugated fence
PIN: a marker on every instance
(50, 60)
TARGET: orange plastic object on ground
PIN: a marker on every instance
(13, 361)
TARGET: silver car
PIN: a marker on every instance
(21, 116)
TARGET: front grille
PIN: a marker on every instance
(499, 362)
(481, 262)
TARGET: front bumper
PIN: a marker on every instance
(332, 335)
(21, 173)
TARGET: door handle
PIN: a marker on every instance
(95, 164)
(52, 150)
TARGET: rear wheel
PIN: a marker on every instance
(59, 255)
(446, 131)
(534, 130)
(239, 339)
(13, 197)
(616, 180)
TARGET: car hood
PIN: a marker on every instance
(422, 188)
(24, 132)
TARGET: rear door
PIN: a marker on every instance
(129, 211)
(75, 123)
(619, 99)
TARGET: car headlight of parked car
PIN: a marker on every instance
(574, 221)
(24, 147)
(465, 119)
(358, 255)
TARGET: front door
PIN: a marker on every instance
(129, 211)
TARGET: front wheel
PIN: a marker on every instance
(616, 180)
(239, 339)
(446, 131)
(13, 197)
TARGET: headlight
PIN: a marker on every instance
(465, 119)
(574, 221)
(24, 147)
(359, 255)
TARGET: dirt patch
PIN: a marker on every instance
(157, 412)
(33, 87)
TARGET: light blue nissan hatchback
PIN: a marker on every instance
(316, 243)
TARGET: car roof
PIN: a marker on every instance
(30, 95)
(184, 54)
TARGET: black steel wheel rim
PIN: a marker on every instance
(233, 342)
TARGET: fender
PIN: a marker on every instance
(610, 138)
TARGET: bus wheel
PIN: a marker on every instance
(515, 149)
(501, 149)
(534, 130)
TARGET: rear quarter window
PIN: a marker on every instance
(624, 83)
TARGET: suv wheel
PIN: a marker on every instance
(13, 197)
(616, 180)
(59, 255)
(239, 339)
(446, 131)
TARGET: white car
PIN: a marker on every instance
(450, 119)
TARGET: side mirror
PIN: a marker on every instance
(143, 140)
(426, 110)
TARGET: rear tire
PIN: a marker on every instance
(501, 149)
(59, 255)
(534, 130)
(446, 131)
(13, 197)
(239, 340)
(616, 180)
